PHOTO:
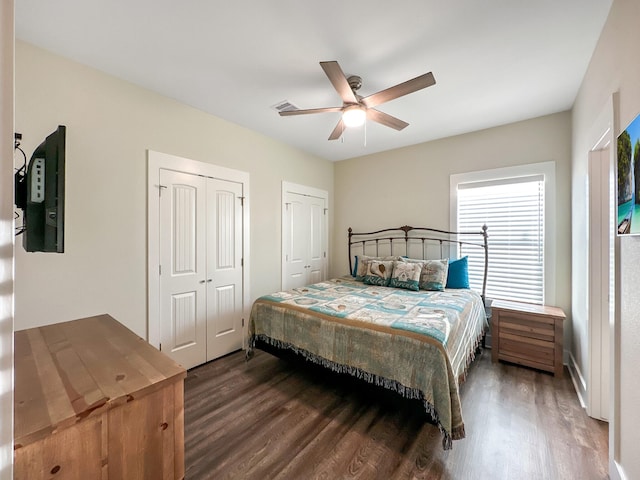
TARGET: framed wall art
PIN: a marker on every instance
(628, 179)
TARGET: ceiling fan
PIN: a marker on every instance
(355, 108)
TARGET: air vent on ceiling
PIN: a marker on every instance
(285, 106)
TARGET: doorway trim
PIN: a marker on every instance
(155, 162)
(600, 296)
(602, 133)
(615, 471)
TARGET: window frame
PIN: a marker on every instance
(548, 171)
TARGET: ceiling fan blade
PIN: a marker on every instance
(288, 113)
(339, 81)
(385, 119)
(337, 132)
(410, 86)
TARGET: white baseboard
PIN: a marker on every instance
(616, 472)
(578, 380)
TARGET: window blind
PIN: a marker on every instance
(513, 210)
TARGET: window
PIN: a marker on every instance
(512, 203)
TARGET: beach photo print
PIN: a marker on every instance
(628, 179)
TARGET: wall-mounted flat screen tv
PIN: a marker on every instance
(628, 179)
(40, 194)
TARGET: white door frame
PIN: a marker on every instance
(601, 138)
(288, 187)
(599, 294)
(155, 162)
(612, 110)
(603, 133)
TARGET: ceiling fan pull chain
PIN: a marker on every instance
(365, 134)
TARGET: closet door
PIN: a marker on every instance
(304, 250)
(183, 306)
(224, 267)
(201, 274)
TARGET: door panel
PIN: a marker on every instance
(299, 219)
(224, 281)
(225, 301)
(183, 318)
(297, 239)
(182, 287)
(225, 233)
(184, 238)
(316, 240)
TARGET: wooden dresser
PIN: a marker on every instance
(526, 334)
(95, 401)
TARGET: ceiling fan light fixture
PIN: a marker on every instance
(355, 109)
(354, 116)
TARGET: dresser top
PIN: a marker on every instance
(68, 371)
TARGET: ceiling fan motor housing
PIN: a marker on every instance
(355, 82)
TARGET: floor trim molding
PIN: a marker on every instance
(616, 472)
(578, 380)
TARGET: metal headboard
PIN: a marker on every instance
(399, 241)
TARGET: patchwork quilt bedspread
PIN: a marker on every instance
(416, 343)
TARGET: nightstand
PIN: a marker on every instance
(530, 335)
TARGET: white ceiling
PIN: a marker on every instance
(495, 61)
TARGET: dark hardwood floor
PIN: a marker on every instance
(272, 418)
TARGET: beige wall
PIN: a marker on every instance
(110, 125)
(613, 67)
(410, 186)
(6, 239)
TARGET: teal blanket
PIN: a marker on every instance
(416, 343)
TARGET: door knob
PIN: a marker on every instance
(201, 281)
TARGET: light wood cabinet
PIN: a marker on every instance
(95, 401)
(530, 335)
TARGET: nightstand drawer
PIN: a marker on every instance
(514, 348)
(526, 327)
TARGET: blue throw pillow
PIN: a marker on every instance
(458, 273)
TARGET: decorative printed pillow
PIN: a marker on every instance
(362, 264)
(378, 272)
(406, 275)
(434, 275)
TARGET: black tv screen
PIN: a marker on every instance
(43, 229)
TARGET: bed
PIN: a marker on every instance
(394, 322)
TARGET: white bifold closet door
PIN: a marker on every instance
(304, 251)
(201, 267)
